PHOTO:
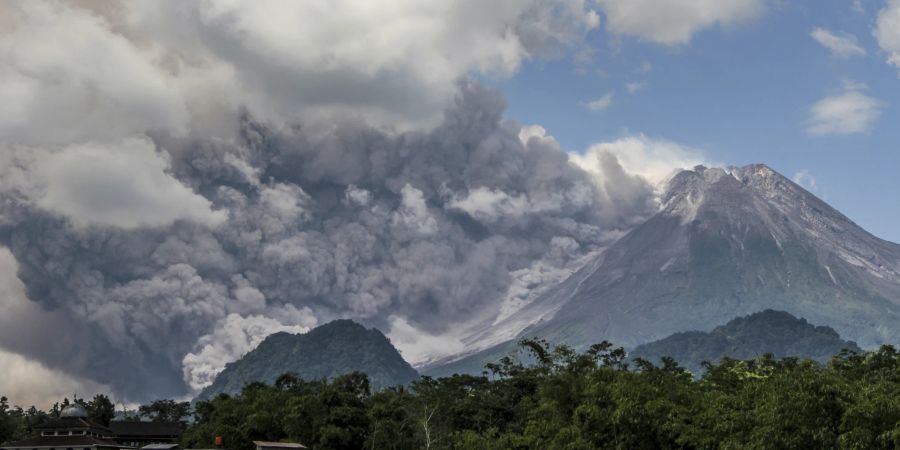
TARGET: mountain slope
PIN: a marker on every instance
(769, 331)
(724, 244)
(327, 351)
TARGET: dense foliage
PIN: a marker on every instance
(165, 411)
(336, 348)
(561, 399)
(775, 332)
(570, 400)
(15, 422)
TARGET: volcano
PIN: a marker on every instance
(725, 243)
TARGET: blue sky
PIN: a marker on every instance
(742, 94)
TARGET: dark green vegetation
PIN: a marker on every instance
(775, 332)
(564, 400)
(333, 349)
(570, 400)
(16, 423)
(168, 411)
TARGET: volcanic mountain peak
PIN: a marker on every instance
(726, 243)
(757, 200)
(687, 190)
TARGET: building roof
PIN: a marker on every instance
(62, 441)
(70, 423)
(160, 447)
(278, 444)
(136, 428)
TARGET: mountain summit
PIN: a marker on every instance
(725, 243)
(330, 350)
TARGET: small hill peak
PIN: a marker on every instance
(343, 324)
(335, 348)
(767, 331)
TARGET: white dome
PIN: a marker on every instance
(74, 410)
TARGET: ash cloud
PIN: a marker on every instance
(427, 226)
(258, 180)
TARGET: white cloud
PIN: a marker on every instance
(529, 132)
(805, 179)
(235, 337)
(841, 45)
(887, 31)
(77, 71)
(357, 196)
(672, 22)
(631, 88)
(123, 184)
(601, 103)
(413, 212)
(390, 62)
(66, 76)
(284, 201)
(487, 204)
(419, 347)
(849, 112)
(653, 159)
(529, 283)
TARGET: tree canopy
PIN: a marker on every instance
(561, 399)
(165, 411)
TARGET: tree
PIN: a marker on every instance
(58, 407)
(15, 422)
(7, 423)
(166, 411)
(101, 409)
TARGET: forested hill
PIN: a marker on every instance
(333, 349)
(769, 331)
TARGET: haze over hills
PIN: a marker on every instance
(725, 243)
(769, 331)
(333, 349)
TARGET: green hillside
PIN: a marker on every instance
(333, 349)
(769, 331)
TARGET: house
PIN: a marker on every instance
(71, 431)
(74, 431)
(140, 434)
(263, 445)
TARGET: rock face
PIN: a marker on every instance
(775, 332)
(333, 349)
(726, 243)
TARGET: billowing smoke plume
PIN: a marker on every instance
(355, 222)
(241, 179)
